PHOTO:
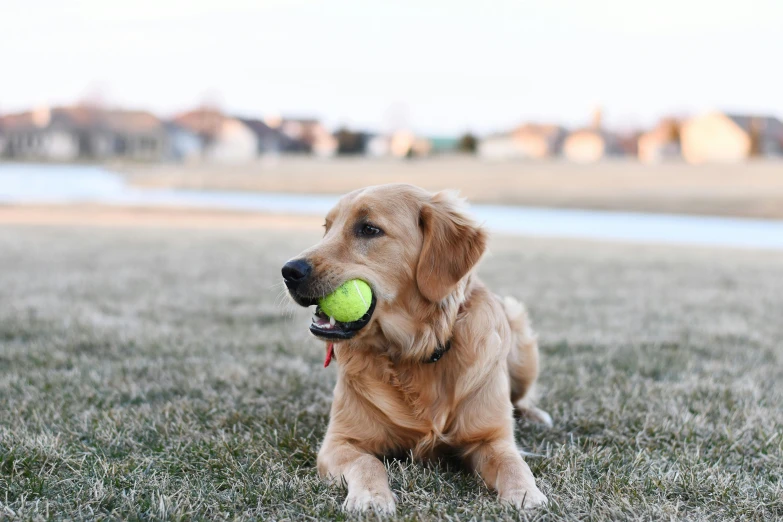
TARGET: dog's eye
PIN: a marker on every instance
(369, 230)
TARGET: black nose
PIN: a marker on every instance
(296, 271)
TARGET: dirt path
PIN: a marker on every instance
(108, 216)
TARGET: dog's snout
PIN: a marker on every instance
(296, 272)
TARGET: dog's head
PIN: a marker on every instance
(412, 247)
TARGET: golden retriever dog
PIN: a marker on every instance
(437, 365)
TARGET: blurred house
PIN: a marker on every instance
(69, 133)
(721, 137)
(539, 141)
(183, 144)
(43, 134)
(352, 142)
(234, 142)
(593, 143)
(273, 141)
(224, 139)
(661, 143)
(499, 147)
(405, 144)
(311, 132)
(400, 144)
(532, 140)
(378, 146)
(135, 135)
(420, 147)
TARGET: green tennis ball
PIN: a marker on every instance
(349, 302)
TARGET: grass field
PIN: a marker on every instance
(152, 374)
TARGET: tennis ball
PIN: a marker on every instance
(349, 302)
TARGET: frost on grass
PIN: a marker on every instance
(155, 374)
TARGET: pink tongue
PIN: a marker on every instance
(329, 354)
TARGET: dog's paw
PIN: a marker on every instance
(527, 498)
(535, 415)
(365, 500)
(541, 417)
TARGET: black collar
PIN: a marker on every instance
(439, 351)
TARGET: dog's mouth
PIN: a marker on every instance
(327, 327)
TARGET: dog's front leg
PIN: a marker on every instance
(364, 474)
(502, 467)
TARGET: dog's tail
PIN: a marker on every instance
(518, 319)
(523, 361)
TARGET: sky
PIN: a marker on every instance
(437, 67)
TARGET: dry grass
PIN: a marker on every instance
(150, 374)
(754, 189)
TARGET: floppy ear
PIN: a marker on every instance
(453, 244)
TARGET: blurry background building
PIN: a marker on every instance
(593, 143)
(722, 137)
(225, 139)
(531, 140)
(660, 143)
(83, 132)
(92, 133)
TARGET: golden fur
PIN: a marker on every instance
(388, 399)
